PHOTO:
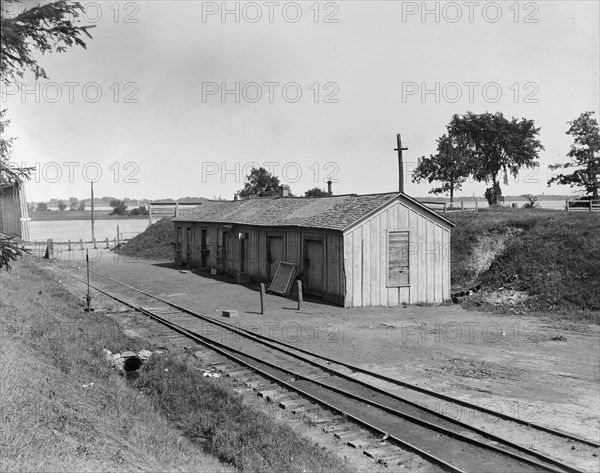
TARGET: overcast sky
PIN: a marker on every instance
(193, 95)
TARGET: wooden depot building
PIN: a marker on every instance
(352, 250)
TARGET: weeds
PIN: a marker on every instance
(236, 434)
(553, 256)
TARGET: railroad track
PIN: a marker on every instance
(344, 399)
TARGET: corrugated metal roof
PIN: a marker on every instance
(333, 213)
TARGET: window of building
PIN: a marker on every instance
(398, 259)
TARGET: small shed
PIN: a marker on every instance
(352, 250)
(14, 215)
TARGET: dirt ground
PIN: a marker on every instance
(517, 365)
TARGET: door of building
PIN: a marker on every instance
(314, 266)
(274, 255)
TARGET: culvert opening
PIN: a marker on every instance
(132, 363)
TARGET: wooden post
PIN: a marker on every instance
(444, 207)
(176, 209)
(81, 244)
(567, 204)
(69, 243)
(88, 298)
(300, 297)
(93, 234)
(262, 298)
(400, 163)
(95, 247)
(462, 206)
(107, 247)
(476, 206)
(149, 213)
(591, 200)
(118, 237)
(49, 249)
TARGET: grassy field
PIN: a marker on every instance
(79, 215)
(554, 256)
(64, 409)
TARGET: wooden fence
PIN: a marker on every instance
(445, 207)
(160, 210)
(584, 205)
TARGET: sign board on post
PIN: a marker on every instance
(284, 277)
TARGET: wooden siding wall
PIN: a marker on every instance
(365, 259)
(257, 250)
(13, 207)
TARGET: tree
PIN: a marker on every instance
(42, 207)
(61, 205)
(585, 156)
(260, 184)
(10, 175)
(73, 203)
(449, 166)
(532, 201)
(119, 207)
(316, 192)
(40, 29)
(496, 147)
(81, 206)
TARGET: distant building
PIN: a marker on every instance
(14, 215)
(352, 250)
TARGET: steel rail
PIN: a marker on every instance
(448, 432)
(224, 351)
(357, 369)
(437, 428)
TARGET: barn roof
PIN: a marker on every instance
(332, 213)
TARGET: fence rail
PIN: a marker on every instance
(445, 207)
(583, 205)
(158, 210)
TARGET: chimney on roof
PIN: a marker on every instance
(285, 190)
(329, 188)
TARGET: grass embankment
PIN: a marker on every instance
(153, 243)
(554, 256)
(236, 434)
(79, 215)
(64, 409)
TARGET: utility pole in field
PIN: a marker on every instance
(93, 234)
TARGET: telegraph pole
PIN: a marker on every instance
(93, 234)
(400, 164)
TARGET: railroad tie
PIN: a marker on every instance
(319, 418)
(349, 435)
(255, 383)
(294, 404)
(364, 443)
(281, 396)
(240, 373)
(337, 428)
(381, 452)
